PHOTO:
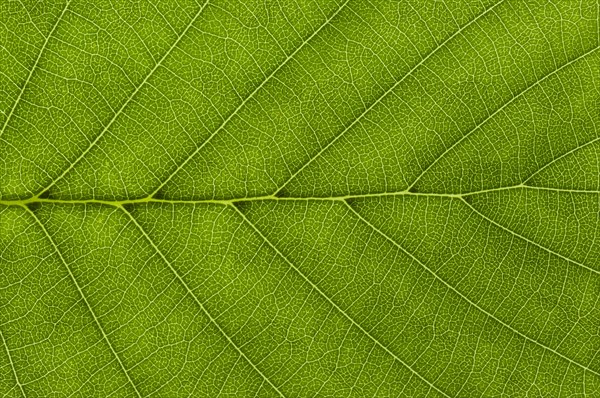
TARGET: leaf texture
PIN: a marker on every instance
(315, 198)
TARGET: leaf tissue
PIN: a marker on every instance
(300, 198)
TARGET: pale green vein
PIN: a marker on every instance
(35, 64)
(12, 365)
(449, 286)
(127, 101)
(198, 302)
(25, 202)
(577, 148)
(248, 98)
(338, 308)
(529, 240)
(385, 94)
(84, 298)
(500, 109)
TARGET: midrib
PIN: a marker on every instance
(150, 199)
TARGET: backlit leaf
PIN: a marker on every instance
(300, 198)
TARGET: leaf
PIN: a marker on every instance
(296, 199)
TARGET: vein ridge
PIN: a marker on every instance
(385, 94)
(226, 201)
(317, 289)
(35, 64)
(84, 298)
(248, 98)
(497, 111)
(195, 298)
(481, 309)
(126, 102)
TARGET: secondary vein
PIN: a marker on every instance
(127, 101)
(385, 94)
(340, 310)
(527, 239)
(248, 98)
(481, 309)
(12, 365)
(198, 302)
(34, 67)
(84, 298)
(497, 111)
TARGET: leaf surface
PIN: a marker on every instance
(300, 198)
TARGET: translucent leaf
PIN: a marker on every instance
(309, 198)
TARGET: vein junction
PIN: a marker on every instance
(151, 199)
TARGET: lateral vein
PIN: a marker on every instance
(12, 365)
(449, 286)
(84, 298)
(528, 240)
(126, 102)
(339, 309)
(385, 94)
(195, 298)
(497, 111)
(248, 98)
(35, 64)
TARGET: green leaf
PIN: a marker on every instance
(315, 198)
